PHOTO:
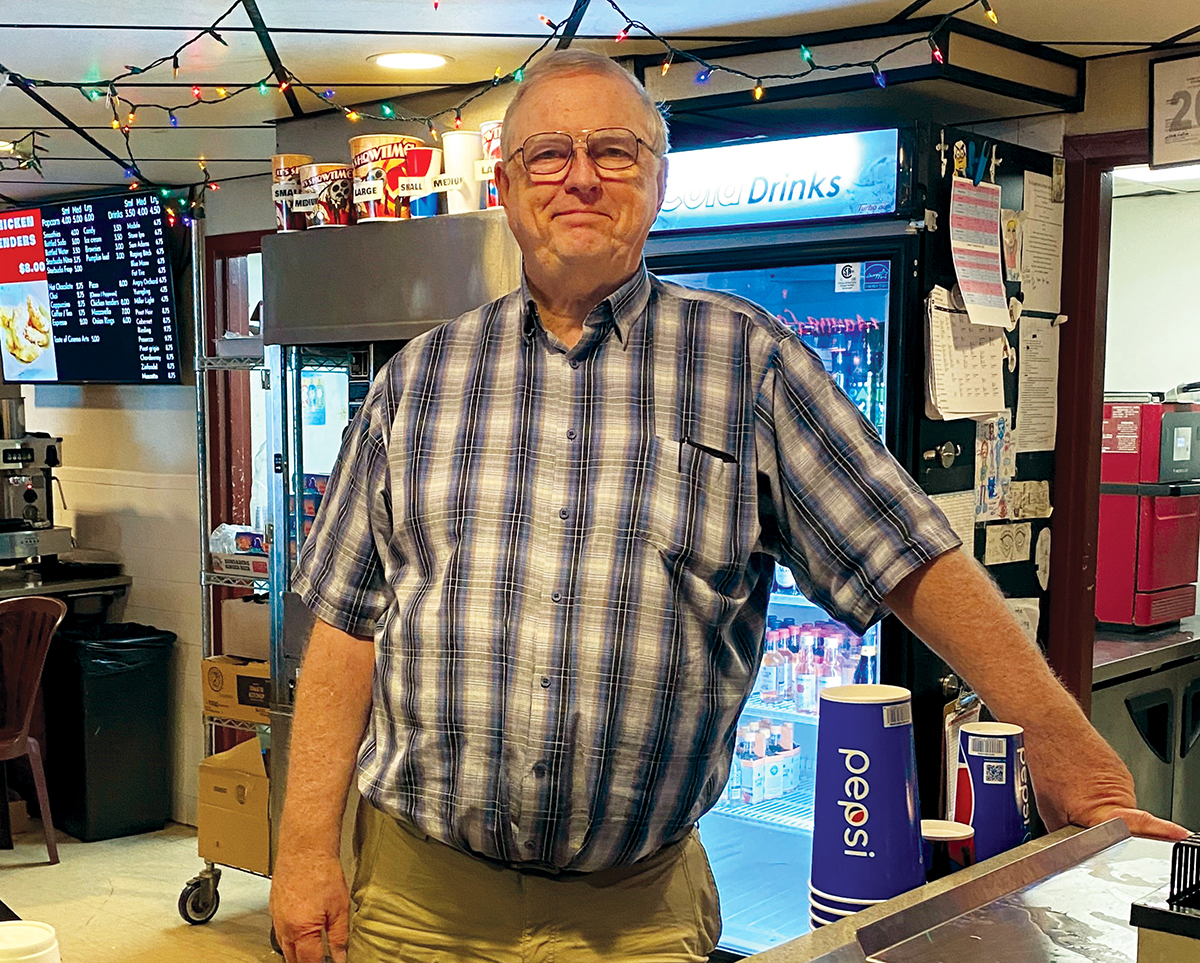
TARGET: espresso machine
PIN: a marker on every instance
(27, 463)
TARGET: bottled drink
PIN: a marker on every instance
(785, 581)
(772, 669)
(827, 666)
(773, 764)
(753, 772)
(864, 672)
(806, 663)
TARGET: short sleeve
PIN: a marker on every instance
(340, 575)
(835, 506)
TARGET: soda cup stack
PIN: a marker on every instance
(992, 792)
(866, 820)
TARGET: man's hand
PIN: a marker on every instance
(953, 606)
(1088, 784)
(310, 901)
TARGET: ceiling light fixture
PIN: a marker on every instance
(1163, 175)
(410, 61)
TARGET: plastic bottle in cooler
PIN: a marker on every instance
(864, 672)
(785, 581)
(771, 671)
(753, 773)
(806, 664)
(773, 764)
(828, 673)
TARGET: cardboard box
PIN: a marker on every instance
(236, 689)
(226, 564)
(234, 826)
(246, 628)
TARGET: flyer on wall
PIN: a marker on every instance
(27, 352)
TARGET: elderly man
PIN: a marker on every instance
(541, 575)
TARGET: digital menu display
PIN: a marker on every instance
(86, 293)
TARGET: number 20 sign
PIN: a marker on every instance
(1175, 111)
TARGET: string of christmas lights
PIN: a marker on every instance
(22, 154)
(124, 111)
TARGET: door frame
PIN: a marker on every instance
(1087, 222)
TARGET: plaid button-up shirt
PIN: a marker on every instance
(565, 556)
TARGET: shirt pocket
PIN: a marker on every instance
(694, 507)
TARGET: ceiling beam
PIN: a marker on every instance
(66, 121)
(571, 24)
(268, 45)
(1179, 37)
(909, 10)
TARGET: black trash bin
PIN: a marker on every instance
(107, 754)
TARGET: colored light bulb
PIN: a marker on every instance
(880, 76)
(758, 90)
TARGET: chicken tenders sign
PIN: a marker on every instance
(26, 342)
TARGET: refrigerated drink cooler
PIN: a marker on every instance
(832, 235)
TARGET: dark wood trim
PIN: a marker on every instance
(1086, 224)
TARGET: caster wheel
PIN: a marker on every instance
(195, 906)
(275, 942)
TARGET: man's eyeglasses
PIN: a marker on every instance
(610, 149)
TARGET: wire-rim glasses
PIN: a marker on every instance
(610, 149)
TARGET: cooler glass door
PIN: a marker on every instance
(759, 836)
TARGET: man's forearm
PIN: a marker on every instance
(332, 705)
(952, 605)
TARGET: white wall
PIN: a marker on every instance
(130, 481)
(1153, 315)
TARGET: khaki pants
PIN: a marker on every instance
(415, 900)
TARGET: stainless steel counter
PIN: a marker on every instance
(1062, 898)
(1120, 654)
(79, 586)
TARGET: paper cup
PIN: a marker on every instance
(28, 942)
(461, 149)
(866, 833)
(838, 903)
(815, 922)
(492, 150)
(992, 792)
(328, 188)
(285, 183)
(828, 912)
(423, 162)
(379, 162)
(946, 847)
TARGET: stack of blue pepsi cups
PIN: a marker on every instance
(992, 792)
(866, 820)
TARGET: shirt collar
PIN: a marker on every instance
(622, 308)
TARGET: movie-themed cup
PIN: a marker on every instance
(328, 188)
(424, 163)
(866, 832)
(285, 184)
(946, 847)
(492, 151)
(992, 792)
(461, 150)
(380, 164)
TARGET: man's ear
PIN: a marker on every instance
(662, 183)
(503, 182)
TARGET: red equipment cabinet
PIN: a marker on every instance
(1149, 541)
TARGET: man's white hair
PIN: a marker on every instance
(572, 63)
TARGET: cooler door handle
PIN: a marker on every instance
(1154, 715)
(1191, 718)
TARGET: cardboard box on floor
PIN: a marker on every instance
(234, 827)
(236, 689)
(246, 628)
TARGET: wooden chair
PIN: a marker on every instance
(26, 627)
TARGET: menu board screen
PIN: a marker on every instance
(86, 293)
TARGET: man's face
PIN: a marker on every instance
(582, 216)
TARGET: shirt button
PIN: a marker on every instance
(539, 769)
(571, 433)
(557, 596)
(564, 513)
(529, 845)
(545, 682)
(574, 363)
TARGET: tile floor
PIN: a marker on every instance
(116, 900)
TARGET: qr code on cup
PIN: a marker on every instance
(994, 773)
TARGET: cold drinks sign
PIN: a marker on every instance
(809, 178)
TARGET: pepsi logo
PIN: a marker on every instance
(856, 788)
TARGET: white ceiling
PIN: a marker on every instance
(327, 44)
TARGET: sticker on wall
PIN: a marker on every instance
(960, 159)
(1041, 556)
(848, 277)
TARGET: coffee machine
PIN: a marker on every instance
(27, 463)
